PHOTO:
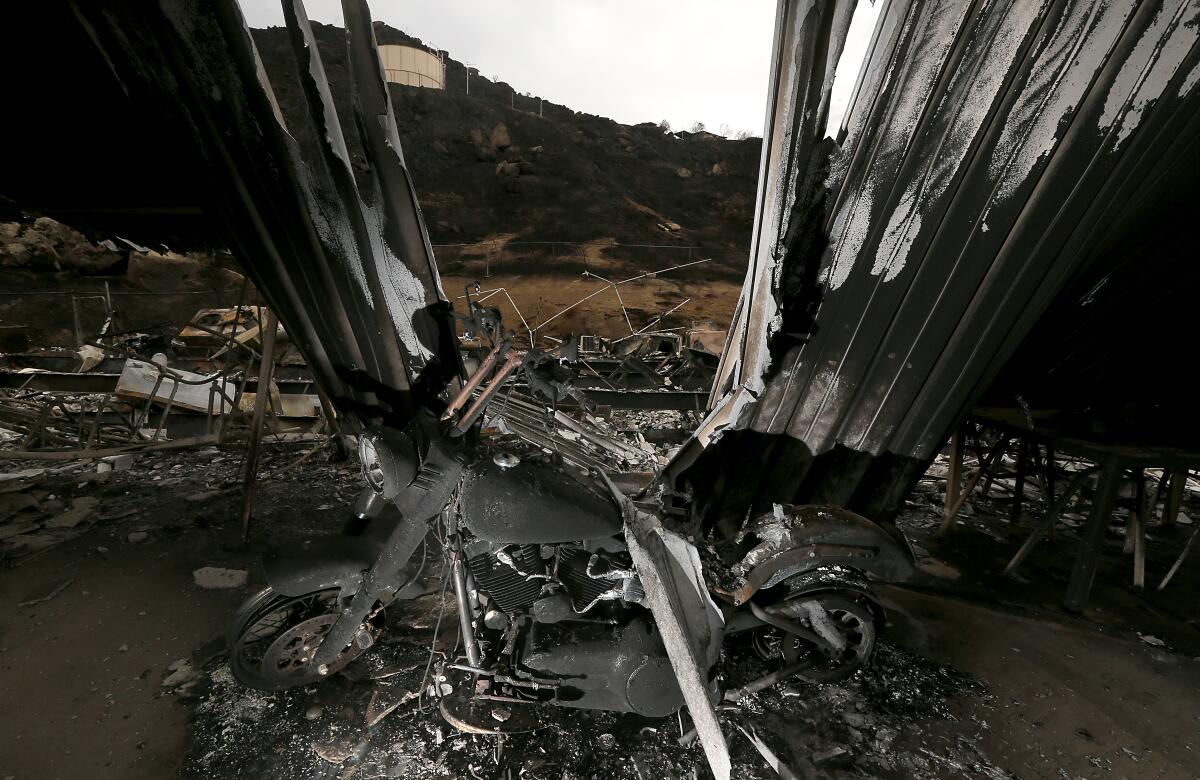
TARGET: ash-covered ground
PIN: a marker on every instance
(905, 716)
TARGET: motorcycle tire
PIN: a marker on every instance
(273, 638)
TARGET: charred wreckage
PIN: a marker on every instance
(1001, 165)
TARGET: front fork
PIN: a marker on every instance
(420, 503)
(462, 595)
(379, 583)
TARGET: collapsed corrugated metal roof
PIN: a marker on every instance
(344, 259)
(993, 155)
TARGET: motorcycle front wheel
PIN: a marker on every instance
(273, 639)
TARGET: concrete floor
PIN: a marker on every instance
(1069, 697)
(81, 673)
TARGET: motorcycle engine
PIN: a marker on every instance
(580, 623)
(512, 577)
(517, 576)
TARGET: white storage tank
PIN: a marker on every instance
(412, 66)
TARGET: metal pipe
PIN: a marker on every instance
(481, 373)
(263, 392)
(75, 313)
(465, 613)
(766, 681)
(510, 364)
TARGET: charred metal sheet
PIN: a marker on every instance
(993, 153)
(691, 625)
(345, 261)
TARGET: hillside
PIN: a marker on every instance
(487, 165)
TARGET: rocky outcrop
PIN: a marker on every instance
(46, 245)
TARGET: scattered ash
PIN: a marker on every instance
(321, 732)
(318, 731)
(904, 716)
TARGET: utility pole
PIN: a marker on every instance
(468, 77)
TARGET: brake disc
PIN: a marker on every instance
(289, 658)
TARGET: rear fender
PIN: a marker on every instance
(798, 539)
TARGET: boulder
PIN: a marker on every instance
(499, 139)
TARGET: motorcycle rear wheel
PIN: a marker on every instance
(273, 638)
(851, 616)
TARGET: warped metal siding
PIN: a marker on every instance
(808, 42)
(993, 151)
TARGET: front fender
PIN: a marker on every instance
(321, 563)
(335, 561)
(796, 539)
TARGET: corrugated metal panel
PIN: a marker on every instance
(807, 44)
(994, 150)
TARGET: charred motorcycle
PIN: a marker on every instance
(555, 604)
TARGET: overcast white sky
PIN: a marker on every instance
(631, 60)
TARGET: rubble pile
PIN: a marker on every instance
(135, 499)
(903, 716)
(67, 420)
(658, 431)
(995, 533)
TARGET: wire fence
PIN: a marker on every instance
(488, 258)
(610, 264)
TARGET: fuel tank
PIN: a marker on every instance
(525, 501)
